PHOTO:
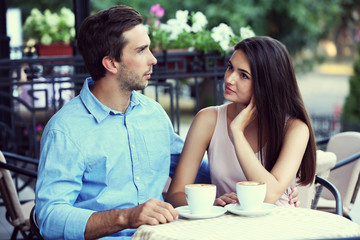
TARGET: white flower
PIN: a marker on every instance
(199, 22)
(52, 19)
(36, 14)
(46, 39)
(146, 26)
(72, 32)
(177, 25)
(182, 16)
(173, 27)
(224, 45)
(246, 32)
(222, 31)
(222, 34)
(48, 27)
(68, 16)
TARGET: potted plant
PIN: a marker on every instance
(188, 31)
(53, 32)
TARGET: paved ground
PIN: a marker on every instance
(323, 91)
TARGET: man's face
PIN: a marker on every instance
(136, 63)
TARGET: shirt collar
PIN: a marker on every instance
(99, 110)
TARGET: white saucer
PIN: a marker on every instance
(236, 209)
(215, 212)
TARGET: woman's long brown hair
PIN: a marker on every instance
(277, 98)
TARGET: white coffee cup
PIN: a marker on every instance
(251, 194)
(200, 197)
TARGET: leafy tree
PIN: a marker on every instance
(351, 110)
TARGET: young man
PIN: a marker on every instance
(106, 154)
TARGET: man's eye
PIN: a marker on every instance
(142, 50)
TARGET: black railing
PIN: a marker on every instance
(33, 89)
(325, 126)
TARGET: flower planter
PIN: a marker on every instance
(54, 49)
(183, 62)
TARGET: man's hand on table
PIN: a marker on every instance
(152, 212)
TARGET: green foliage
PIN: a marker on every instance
(298, 24)
(189, 31)
(48, 27)
(27, 5)
(295, 23)
(351, 110)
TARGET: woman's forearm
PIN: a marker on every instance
(176, 199)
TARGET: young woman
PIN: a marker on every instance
(263, 134)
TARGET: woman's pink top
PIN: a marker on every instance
(225, 169)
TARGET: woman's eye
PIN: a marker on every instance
(243, 75)
(229, 66)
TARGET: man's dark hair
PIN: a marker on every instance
(101, 35)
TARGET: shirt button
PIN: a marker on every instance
(133, 146)
(137, 178)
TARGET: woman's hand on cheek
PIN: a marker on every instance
(245, 117)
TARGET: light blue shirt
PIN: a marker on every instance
(94, 159)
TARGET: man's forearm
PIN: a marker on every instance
(102, 224)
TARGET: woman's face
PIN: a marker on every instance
(238, 80)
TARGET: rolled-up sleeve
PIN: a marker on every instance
(59, 182)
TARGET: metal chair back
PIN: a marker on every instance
(17, 214)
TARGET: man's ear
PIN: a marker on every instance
(109, 64)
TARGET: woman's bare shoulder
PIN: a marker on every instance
(207, 115)
(297, 125)
(202, 127)
(205, 121)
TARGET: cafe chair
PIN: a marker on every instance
(309, 194)
(17, 213)
(354, 213)
(34, 225)
(334, 191)
(345, 174)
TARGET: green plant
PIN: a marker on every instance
(48, 27)
(188, 30)
(351, 110)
